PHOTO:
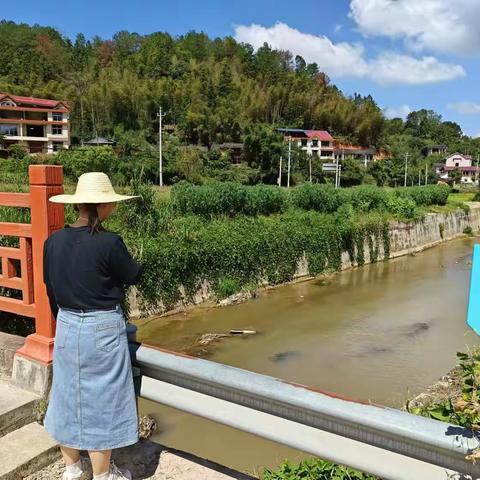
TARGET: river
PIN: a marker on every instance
(382, 332)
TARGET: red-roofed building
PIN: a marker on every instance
(314, 142)
(347, 150)
(39, 124)
(462, 163)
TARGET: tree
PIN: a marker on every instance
(456, 176)
(189, 164)
(352, 172)
(263, 149)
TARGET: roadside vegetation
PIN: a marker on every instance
(314, 470)
(236, 237)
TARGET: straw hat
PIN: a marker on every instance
(92, 187)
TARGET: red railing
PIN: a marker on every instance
(46, 217)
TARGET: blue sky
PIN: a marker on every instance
(409, 54)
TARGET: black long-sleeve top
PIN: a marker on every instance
(84, 271)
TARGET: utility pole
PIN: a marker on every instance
(337, 169)
(476, 171)
(310, 166)
(279, 181)
(419, 173)
(426, 173)
(160, 116)
(289, 160)
(406, 168)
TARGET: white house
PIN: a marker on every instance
(463, 163)
(40, 125)
(314, 142)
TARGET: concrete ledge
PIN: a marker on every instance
(9, 344)
(16, 407)
(32, 376)
(26, 450)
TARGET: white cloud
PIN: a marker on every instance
(397, 112)
(445, 26)
(465, 108)
(346, 59)
(392, 68)
(335, 59)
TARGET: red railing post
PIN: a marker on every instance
(46, 217)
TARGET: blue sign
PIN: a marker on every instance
(473, 314)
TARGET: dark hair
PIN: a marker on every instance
(94, 223)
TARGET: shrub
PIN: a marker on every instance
(265, 200)
(314, 469)
(227, 198)
(402, 207)
(366, 197)
(226, 287)
(81, 160)
(426, 195)
(321, 198)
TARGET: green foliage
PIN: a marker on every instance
(212, 90)
(90, 159)
(40, 410)
(441, 229)
(321, 198)
(227, 198)
(226, 287)
(233, 253)
(314, 470)
(426, 195)
(402, 207)
(465, 410)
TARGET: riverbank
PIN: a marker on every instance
(405, 238)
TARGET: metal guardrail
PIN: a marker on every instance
(389, 443)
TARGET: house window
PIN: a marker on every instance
(7, 103)
(10, 130)
(457, 164)
(315, 143)
(57, 130)
(326, 144)
(304, 142)
(57, 117)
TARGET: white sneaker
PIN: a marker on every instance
(117, 474)
(84, 474)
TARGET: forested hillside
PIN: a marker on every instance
(212, 91)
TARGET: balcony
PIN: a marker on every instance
(35, 131)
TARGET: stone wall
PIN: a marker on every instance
(405, 238)
(434, 228)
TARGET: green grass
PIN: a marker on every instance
(461, 197)
(454, 202)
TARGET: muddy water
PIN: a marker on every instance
(381, 332)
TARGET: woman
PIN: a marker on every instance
(92, 402)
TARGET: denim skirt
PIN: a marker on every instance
(92, 402)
